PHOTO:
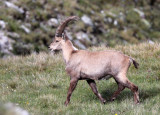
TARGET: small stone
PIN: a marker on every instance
(13, 34)
(150, 42)
(25, 29)
(53, 22)
(115, 22)
(102, 12)
(109, 20)
(5, 44)
(82, 36)
(69, 34)
(79, 44)
(110, 14)
(2, 24)
(146, 23)
(141, 14)
(11, 5)
(87, 20)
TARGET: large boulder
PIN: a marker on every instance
(12, 109)
(5, 44)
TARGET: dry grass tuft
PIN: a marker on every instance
(39, 84)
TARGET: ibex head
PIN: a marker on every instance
(61, 37)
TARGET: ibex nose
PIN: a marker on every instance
(50, 48)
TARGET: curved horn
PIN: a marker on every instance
(62, 26)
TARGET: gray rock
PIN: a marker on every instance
(141, 14)
(25, 29)
(146, 23)
(42, 25)
(94, 39)
(121, 16)
(79, 44)
(11, 5)
(115, 22)
(109, 20)
(5, 44)
(150, 42)
(93, 12)
(53, 22)
(82, 36)
(110, 14)
(87, 20)
(12, 109)
(2, 24)
(13, 35)
(102, 12)
(27, 15)
(69, 34)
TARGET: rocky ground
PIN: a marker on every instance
(28, 26)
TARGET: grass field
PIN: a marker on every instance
(38, 83)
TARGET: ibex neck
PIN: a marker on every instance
(67, 50)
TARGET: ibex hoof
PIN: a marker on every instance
(112, 99)
(104, 101)
(66, 103)
(137, 102)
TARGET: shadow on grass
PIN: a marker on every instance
(126, 93)
(54, 86)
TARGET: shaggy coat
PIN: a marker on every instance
(90, 66)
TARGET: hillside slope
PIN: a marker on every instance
(30, 25)
(39, 84)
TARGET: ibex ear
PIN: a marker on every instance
(64, 36)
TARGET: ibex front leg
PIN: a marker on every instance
(92, 84)
(72, 86)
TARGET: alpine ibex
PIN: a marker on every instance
(91, 66)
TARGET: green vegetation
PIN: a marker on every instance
(123, 20)
(39, 84)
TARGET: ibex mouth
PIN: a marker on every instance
(53, 50)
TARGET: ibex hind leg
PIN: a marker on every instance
(122, 79)
(116, 93)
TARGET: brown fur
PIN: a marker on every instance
(90, 66)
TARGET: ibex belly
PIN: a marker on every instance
(95, 73)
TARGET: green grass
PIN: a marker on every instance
(39, 84)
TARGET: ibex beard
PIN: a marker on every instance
(91, 66)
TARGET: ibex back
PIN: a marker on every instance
(90, 66)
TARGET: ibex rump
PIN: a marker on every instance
(90, 66)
